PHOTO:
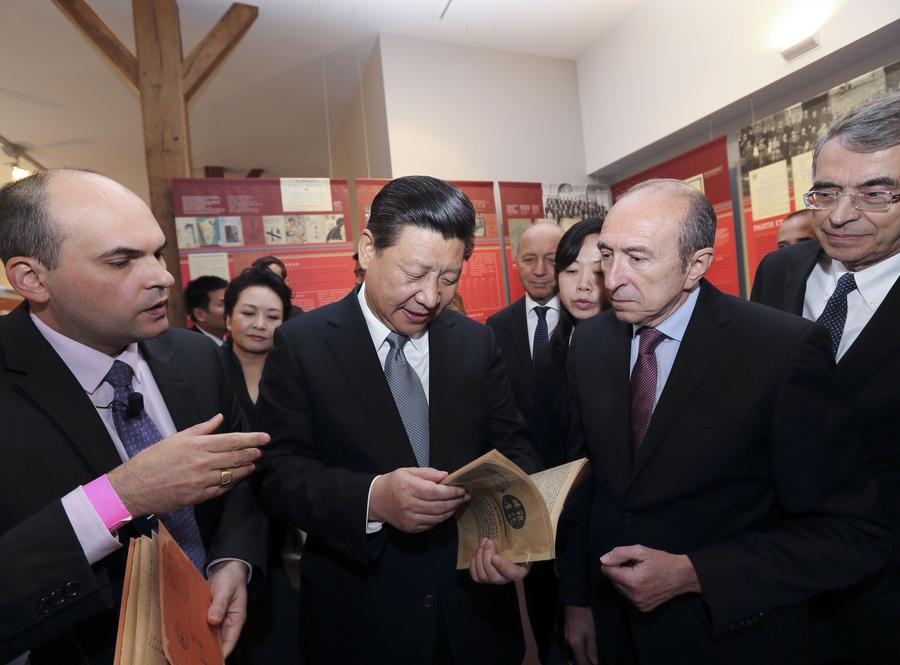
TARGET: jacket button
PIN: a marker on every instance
(41, 606)
(56, 598)
(71, 589)
(627, 518)
(428, 601)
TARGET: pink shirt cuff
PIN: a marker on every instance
(107, 503)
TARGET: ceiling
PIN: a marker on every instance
(267, 105)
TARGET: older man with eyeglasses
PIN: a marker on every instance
(848, 281)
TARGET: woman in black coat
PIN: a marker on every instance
(582, 296)
(256, 303)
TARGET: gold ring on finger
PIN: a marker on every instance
(225, 477)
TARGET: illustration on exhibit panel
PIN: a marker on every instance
(209, 232)
(303, 229)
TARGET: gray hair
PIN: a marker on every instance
(873, 127)
(26, 228)
(698, 230)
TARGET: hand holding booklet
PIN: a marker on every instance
(519, 512)
(164, 607)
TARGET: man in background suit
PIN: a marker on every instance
(370, 401)
(204, 302)
(727, 487)
(795, 228)
(849, 281)
(524, 327)
(86, 255)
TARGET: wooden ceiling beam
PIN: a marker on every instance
(216, 45)
(97, 32)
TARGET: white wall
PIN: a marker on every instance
(468, 113)
(361, 147)
(670, 64)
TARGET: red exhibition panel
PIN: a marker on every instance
(366, 189)
(760, 235)
(522, 203)
(224, 224)
(480, 285)
(705, 166)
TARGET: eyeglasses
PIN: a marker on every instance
(877, 200)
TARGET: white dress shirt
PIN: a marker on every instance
(218, 340)
(416, 352)
(872, 286)
(531, 318)
(673, 328)
(89, 367)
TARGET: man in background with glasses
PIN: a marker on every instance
(848, 281)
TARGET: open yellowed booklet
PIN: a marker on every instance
(519, 512)
(164, 606)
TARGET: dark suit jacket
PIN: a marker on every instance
(511, 328)
(53, 602)
(550, 422)
(869, 371)
(324, 399)
(749, 467)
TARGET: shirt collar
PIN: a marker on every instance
(530, 303)
(379, 332)
(675, 325)
(873, 283)
(218, 340)
(88, 365)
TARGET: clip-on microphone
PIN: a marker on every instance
(135, 405)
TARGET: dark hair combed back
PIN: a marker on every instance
(873, 127)
(25, 225)
(266, 261)
(425, 202)
(196, 293)
(699, 228)
(257, 276)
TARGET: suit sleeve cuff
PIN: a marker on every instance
(216, 562)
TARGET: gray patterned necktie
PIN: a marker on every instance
(138, 432)
(834, 316)
(409, 396)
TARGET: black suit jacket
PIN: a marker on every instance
(53, 602)
(749, 467)
(869, 371)
(381, 598)
(511, 328)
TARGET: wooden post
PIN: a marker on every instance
(167, 144)
(165, 81)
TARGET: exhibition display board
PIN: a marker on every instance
(481, 284)
(777, 156)
(706, 169)
(522, 204)
(224, 224)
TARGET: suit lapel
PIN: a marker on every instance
(49, 385)
(173, 383)
(351, 345)
(445, 351)
(518, 323)
(703, 340)
(878, 339)
(795, 278)
(618, 414)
